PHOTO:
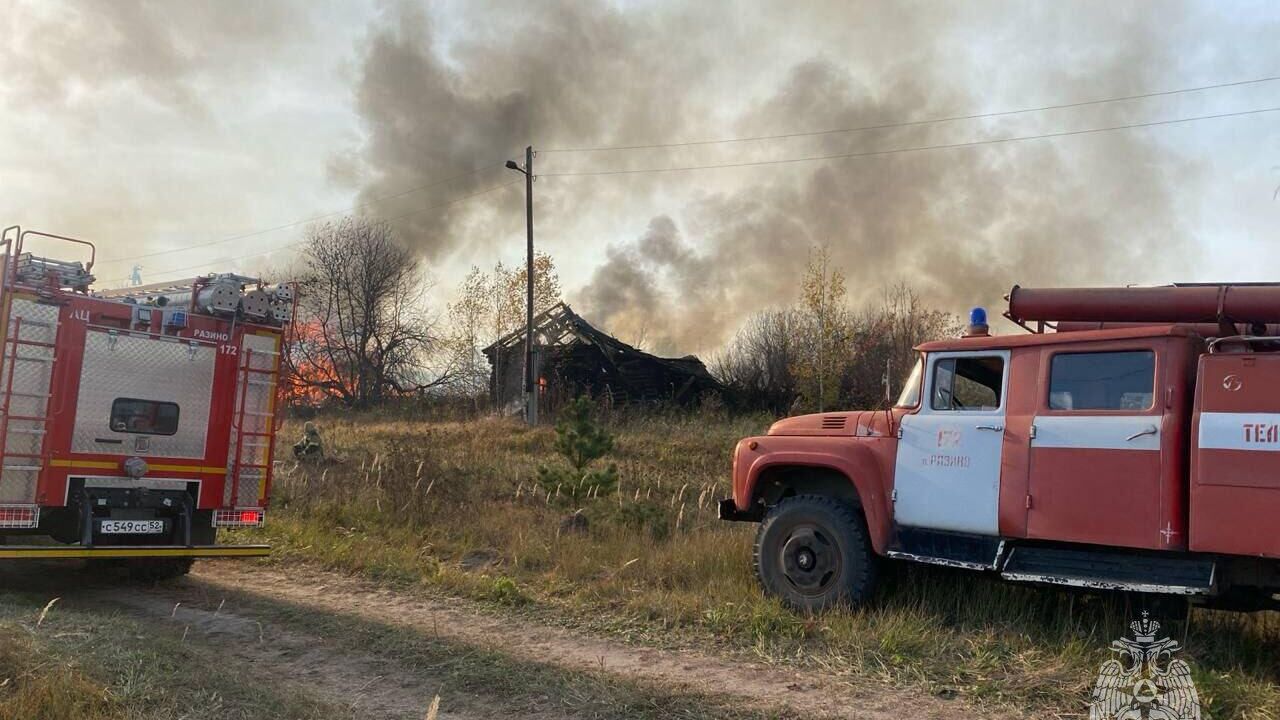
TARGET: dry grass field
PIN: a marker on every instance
(454, 506)
(37, 684)
(416, 509)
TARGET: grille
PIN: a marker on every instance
(833, 422)
(19, 517)
(240, 517)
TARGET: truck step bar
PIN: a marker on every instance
(959, 550)
(99, 552)
(1103, 570)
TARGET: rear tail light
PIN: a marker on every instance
(19, 517)
(239, 517)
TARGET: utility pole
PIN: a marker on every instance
(529, 370)
(530, 387)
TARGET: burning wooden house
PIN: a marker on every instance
(572, 357)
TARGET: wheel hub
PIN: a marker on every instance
(805, 559)
(810, 561)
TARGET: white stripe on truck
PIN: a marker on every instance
(1097, 432)
(1240, 431)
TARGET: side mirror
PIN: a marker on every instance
(888, 381)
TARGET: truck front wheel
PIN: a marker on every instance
(813, 552)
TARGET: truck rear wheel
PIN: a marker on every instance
(813, 552)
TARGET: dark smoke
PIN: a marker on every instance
(643, 286)
(550, 72)
(959, 225)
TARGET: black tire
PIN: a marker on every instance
(813, 552)
(151, 570)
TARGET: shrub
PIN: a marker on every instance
(644, 516)
(506, 592)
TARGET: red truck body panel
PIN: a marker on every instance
(1098, 491)
(164, 389)
(826, 440)
(1235, 471)
(1102, 493)
(77, 314)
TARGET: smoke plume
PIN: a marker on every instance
(960, 225)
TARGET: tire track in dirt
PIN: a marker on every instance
(757, 685)
(369, 685)
(365, 684)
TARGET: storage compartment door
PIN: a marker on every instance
(144, 396)
(1235, 456)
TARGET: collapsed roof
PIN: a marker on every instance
(574, 358)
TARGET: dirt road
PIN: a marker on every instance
(385, 654)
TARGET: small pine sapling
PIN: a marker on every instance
(581, 441)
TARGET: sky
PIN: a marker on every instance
(190, 137)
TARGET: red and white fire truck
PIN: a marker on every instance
(1137, 448)
(133, 423)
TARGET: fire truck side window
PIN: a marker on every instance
(148, 417)
(1102, 380)
(968, 383)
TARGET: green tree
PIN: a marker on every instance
(823, 331)
(487, 307)
(510, 288)
(581, 441)
(468, 320)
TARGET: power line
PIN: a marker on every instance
(299, 242)
(921, 148)
(914, 123)
(256, 233)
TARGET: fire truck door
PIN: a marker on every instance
(1096, 451)
(947, 474)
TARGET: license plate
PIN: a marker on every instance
(132, 527)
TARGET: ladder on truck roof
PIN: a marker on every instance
(173, 286)
(28, 335)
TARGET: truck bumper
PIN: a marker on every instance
(101, 552)
(729, 511)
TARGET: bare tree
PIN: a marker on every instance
(884, 341)
(757, 365)
(765, 364)
(363, 335)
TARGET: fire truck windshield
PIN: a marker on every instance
(910, 396)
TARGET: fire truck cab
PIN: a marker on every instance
(133, 422)
(1135, 448)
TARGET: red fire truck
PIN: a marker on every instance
(1136, 447)
(133, 423)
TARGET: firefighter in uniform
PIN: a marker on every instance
(309, 447)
